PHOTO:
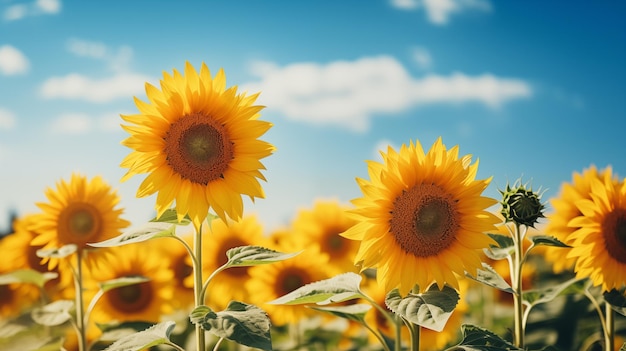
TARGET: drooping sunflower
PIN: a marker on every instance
(599, 241)
(322, 225)
(78, 212)
(229, 284)
(564, 210)
(146, 301)
(271, 281)
(422, 217)
(198, 143)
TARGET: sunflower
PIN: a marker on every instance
(198, 142)
(272, 281)
(178, 261)
(228, 284)
(422, 217)
(78, 212)
(146, 301)
(599, 239)
(322, 225)
(16, 297)
(564, 210)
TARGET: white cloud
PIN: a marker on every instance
(37, 7)
(422, 57)
(347, 94)
(7, 119)
(86, 48)
(12, 61)
(439, 11)
(76, 86)
(74, 123)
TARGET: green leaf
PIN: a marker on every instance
(479, 339)
(53, 344)
(242, 323)
(113, 331)
(339, 288)
(55, 313)
(617, 300)
(547, 240)
(490, 277)
(504, 249)
(354, 312)
(430, 309)
(155, 335)
(149, 231)
(623, 348)
(120, 282)
(537, 296)
(170, 216)
(255, 255)
(61, 252)
(28, 276)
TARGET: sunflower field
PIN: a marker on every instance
(423, 260)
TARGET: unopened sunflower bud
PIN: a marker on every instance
(521, 205)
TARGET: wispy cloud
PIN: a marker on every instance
(348, 93)
(35, 8)
(438, 12)
(83, 123)
(422, 58)
(117, 60)
(12, 61)
(79, 87)
(7, 119)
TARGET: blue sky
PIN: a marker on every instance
(534, 89)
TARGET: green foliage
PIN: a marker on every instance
(479, 339)
(617, 300)
(254, 255)
(430, 309)
(242, 323)
(148, 231)
(339, 288)
(155, 335)
(490, 277)
(354, 312)
(547, 240)
(28, 276)
(170, 216)
(120, 282)
(60, 252)
(537, 296)
(504, 249)
(55, 313)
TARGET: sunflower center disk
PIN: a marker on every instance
(424, 220)
(292, 279)
(198, 148)
(78, 222)
(614, 231)
(132, 298)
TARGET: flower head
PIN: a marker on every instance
(521, 205)
(599, 241)
(198, 143)
(422, 217)
(78, 212)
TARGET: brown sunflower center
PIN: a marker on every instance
(79, 222)
(131, 298)
(198, 148)
(424, 220)
(222, 259)
(181, 270)
(614, 231)
(6, 296)
(291, 279)
(335, 244)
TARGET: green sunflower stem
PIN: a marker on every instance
(609, 328)
(516, 280)
(197, 284)
(80, 319)
(416, 331)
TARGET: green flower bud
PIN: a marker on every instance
(521, 205)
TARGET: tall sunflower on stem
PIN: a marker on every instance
(198, 142)
(422, 218)
(78, 212)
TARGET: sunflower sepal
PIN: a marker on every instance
(242, 323)
(521, 205)
(430, 309)
(342, 287)
(251, 255)
(488, 276)
(157, 334)
(150, 230)
(617, 300)
(27, 276)
(54, 313)
(477, 338)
